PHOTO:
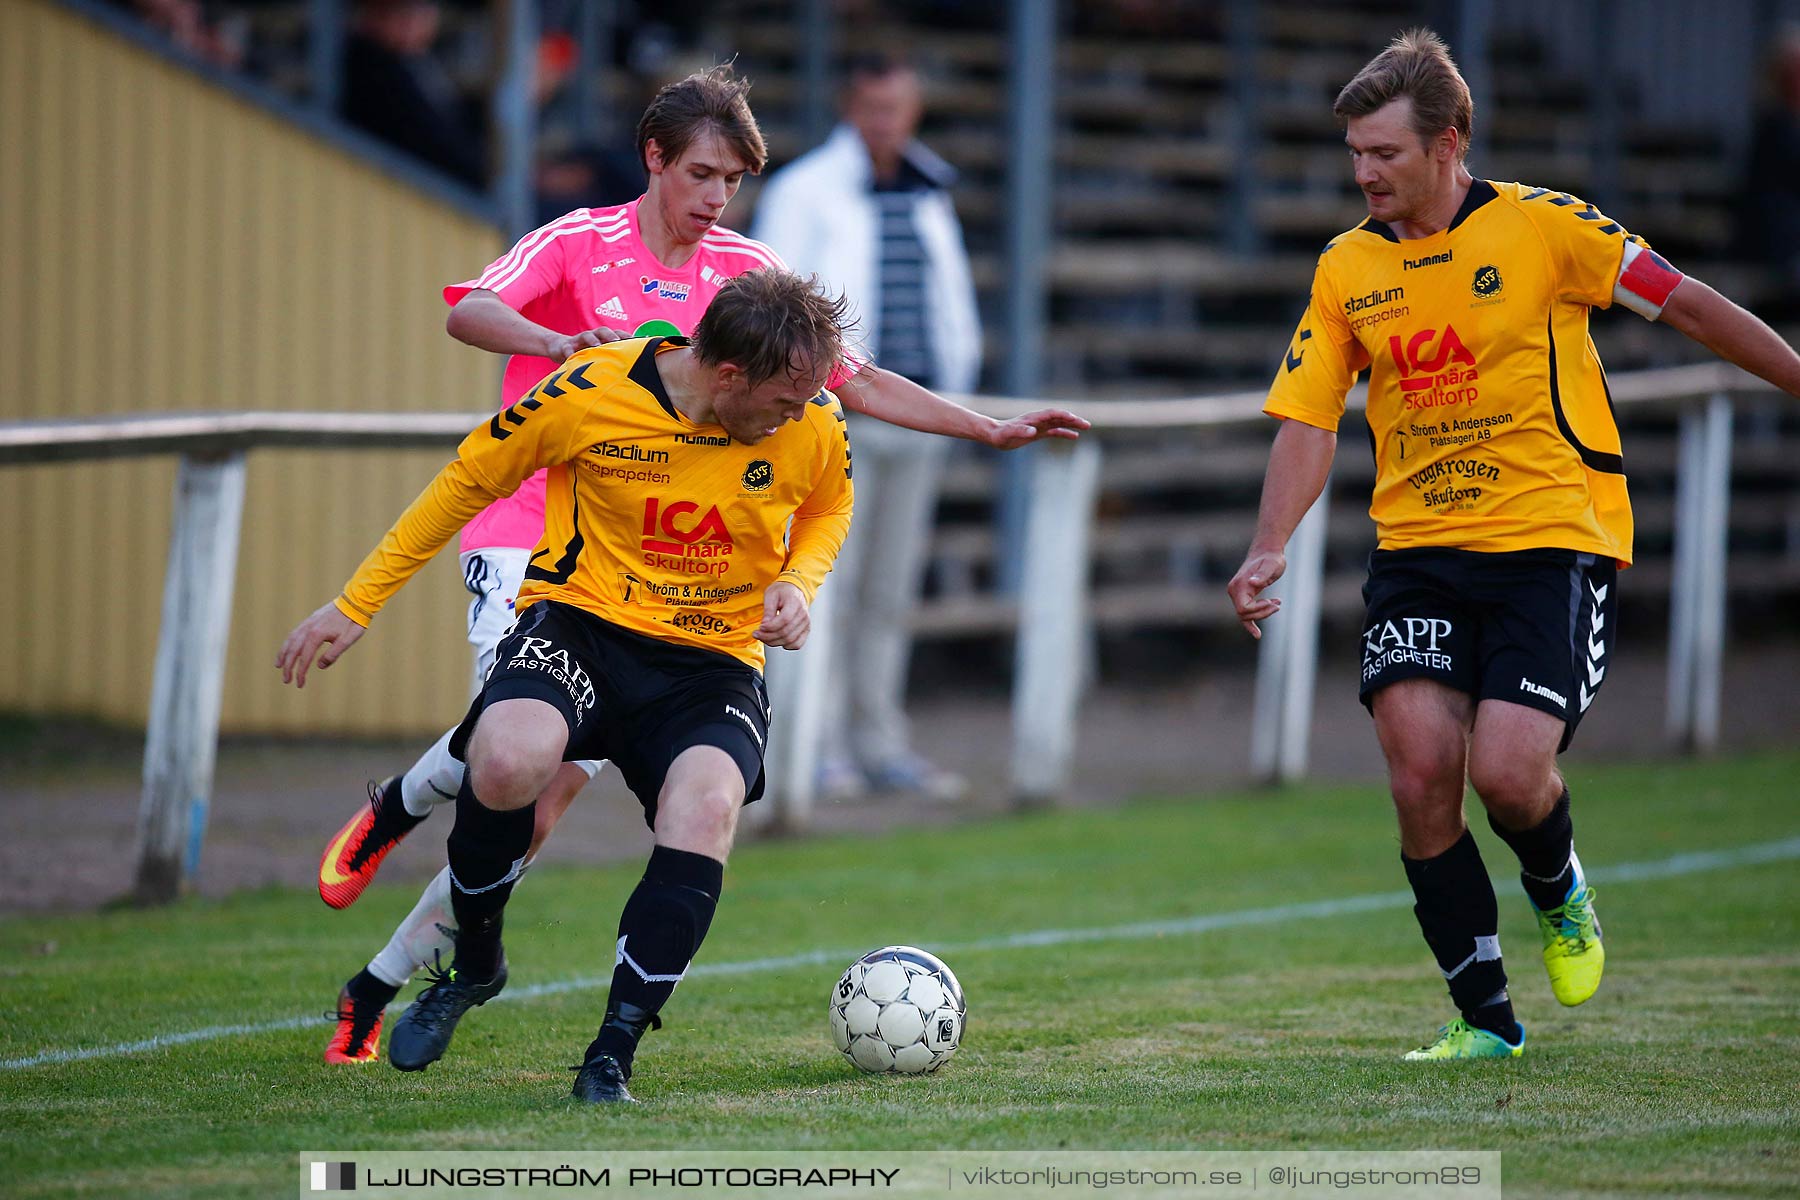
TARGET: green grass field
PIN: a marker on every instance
(1682, 1077)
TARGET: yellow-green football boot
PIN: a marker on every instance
(1573, 954)
(1459, 1039)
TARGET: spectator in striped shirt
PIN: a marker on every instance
(869, 212)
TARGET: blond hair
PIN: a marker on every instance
(771, 322)
(1417, 64)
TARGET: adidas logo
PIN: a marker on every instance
(612, 308)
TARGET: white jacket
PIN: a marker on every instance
(819, 214)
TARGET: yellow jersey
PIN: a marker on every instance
(1491, 423)
(651, 521)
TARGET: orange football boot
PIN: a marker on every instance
(353, 856)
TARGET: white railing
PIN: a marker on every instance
(182, 736)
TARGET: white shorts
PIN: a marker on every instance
(493, 576)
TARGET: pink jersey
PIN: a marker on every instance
(590, 268)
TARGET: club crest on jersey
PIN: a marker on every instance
(1487, 282)
(759, 475)
(664, 289)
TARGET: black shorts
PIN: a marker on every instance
(1534, 627)
(627, 697)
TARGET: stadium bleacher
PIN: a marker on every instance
(1148, 295)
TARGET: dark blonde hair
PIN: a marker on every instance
(771, 322)
(1415, 64)
(710, 100)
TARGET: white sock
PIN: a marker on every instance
(428, 931)
(426, 936)
(434, 779)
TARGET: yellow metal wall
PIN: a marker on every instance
(168, 246)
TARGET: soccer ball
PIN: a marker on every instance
(897, 1010)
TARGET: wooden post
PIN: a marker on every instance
(183, 737)
(1683, 568)
(1281, 734)
(798, 692)
(513, 113)
(1716, 501)
(1053, 618)
(1697, 587)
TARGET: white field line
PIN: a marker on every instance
(1662, 868)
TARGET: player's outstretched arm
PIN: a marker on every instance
(899, 401)
(1299, 463)
(454, 494)
(1733, 333)
(485, 321)
(327, 633)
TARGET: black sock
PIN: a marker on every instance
(487, 852)
(366, 988)
(1546, 855)
(660, 931)
(1460, 919)
(391, 818)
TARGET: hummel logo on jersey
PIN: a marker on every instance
(1430, 260)
(1538, 689)
(612, 308)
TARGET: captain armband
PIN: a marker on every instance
(1645, 281)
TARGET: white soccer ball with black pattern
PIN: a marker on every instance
(897, 1010)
